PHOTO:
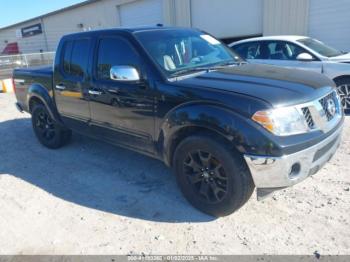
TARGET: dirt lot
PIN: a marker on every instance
(93, 198)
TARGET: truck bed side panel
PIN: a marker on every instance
(26, 77)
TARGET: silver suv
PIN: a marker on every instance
(300, 52)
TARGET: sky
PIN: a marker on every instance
(14, 11)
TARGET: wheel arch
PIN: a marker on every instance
(341, 77)
(188, 131)
(37, 94)
(223, 124)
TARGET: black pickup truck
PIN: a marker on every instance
(181, 96)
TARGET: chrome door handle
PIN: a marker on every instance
(95, 93)
(114, 91)
(60, 87)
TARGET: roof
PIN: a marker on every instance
(265, 38)
(87, 2)
(128, 29)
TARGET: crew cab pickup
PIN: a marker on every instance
(179, 95)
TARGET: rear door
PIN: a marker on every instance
(71, 81)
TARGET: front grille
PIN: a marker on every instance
(310, 122)
(323, 101)
(322, 113)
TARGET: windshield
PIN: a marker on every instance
(320, 47)
(182, 51)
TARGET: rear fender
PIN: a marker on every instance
(37, 91)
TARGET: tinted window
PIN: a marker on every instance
(275, 50)
(80, 56)
(67, 56)
(76, 57)
(112, 52)
(280, 50)
(248, 50)
(295, 50)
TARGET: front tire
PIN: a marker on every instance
(212, 177)
(48, 132)
(343, 88)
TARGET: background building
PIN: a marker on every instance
(226, 19)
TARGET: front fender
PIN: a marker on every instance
(334, 70)
(246, 136)
(39, 92)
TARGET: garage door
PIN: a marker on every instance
(329, 21)
(141, 13)
(227, 18)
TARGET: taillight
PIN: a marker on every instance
(13, 85)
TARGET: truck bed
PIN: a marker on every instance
(26, 77)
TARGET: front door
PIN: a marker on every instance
(121, 111)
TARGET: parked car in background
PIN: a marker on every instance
(183, 97)
(300, 52)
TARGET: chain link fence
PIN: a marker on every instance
(10, 62)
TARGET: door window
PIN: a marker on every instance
(275, 50)
(280, 50)
(75, 57)
(248, 50)
(255, 50)
(67, 56)
(295, 50)
(114, 51)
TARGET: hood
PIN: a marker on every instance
(276, 86)
(341, 58)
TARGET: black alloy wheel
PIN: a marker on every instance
(45, 126)
(212, 175)
(207, 175)
(48, 132)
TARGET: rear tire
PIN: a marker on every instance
(48, 132)
(343, 87)
(212, 177)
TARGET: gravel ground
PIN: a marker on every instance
(93, 198)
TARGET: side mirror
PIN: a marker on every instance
(305, 57)
(124, 73)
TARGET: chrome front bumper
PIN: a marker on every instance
(279, 172)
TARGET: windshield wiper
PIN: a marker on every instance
(207, 69)
(191, 71)
(229, 63)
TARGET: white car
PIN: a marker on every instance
(300, 52)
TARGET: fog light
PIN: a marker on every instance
(294, 171)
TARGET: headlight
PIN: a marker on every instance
(283, 121)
